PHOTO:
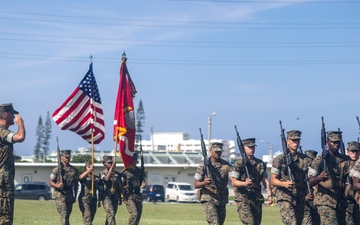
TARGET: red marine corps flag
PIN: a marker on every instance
(124, 119)
(82, 111)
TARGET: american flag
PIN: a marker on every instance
(82, 111)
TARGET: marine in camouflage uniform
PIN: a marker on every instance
(290, 195)
(65, 184)
(311, 216)
(247, 190)
(111, 180)
(352, 215)
(88, 200)
(132, 183)
(355, 175)
(7, 167)
(213, 191)
(329, 198)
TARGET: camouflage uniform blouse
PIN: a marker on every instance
(70, 176)
(355, 171)
(215, 192)
(112, 186)
(86, 186)
(299, 166)
(257, 171)
(131, 182)
(7, 168)
(330, 192)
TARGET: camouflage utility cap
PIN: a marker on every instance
(107, 158)
(334, 135)
(353, 146)
(311, 154)
(217, 147)
(8, 107)
(66, 153)
(294, 135)
(249, 142)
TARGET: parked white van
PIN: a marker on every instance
(180, 192)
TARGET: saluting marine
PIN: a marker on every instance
(7, 166)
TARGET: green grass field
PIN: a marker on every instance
(32, 212)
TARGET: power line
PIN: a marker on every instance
(266, 2)
(183, 24)
(175, 43)
(151, 61)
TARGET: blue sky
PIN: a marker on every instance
(254, 63)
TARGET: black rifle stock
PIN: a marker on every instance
(324, 145)
(204, 153)
(357, 119)
(59, 161)
(286, 152)
(242, 152)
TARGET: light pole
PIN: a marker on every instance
(270, 151)
(209, 127)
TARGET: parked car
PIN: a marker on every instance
(33, 190)
(180, 192)
(154, 192)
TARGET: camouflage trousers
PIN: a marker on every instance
(330, 215)
(215, 214)
(87, 207)
(134, 207)
(250, 213)
(311, 216)
(110, 206)
(6, 211)
(352, 216)
(64, 209)
(291, 214)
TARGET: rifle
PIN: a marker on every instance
(342, 146)
(204, 152)
(286, 152)
(324, 145)
(300, 149)
(357, 118)
(59, 161)
(242, 152)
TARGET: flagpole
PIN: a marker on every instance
(92, 162)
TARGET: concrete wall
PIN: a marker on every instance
(156, 174)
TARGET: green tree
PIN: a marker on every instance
(140, 123)
(45, 143)
(39, 136)
(17, 158)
